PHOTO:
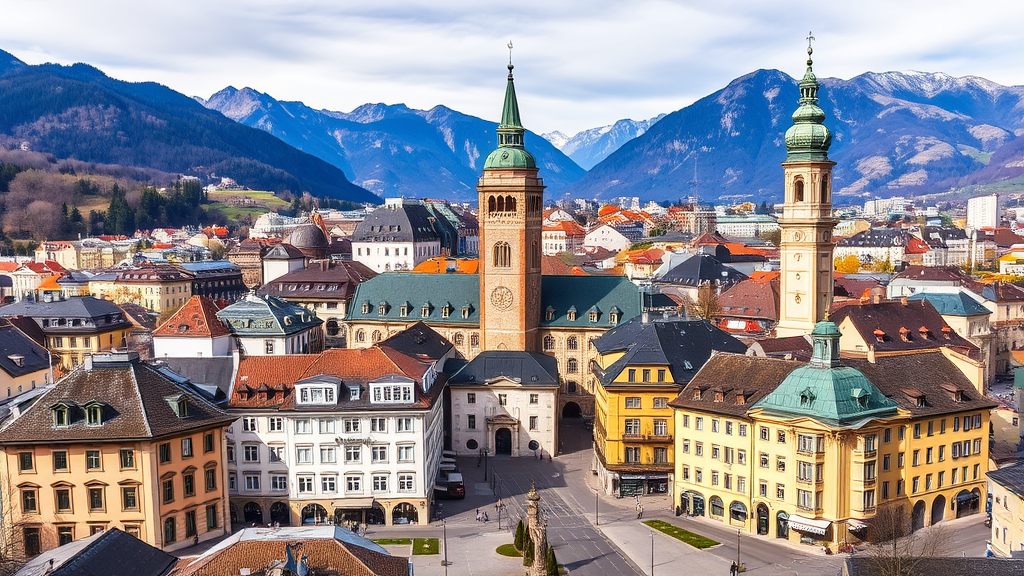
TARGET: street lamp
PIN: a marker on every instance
(485, 463)
(444, 532)
(652, 552)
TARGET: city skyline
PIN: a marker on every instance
(579, 65)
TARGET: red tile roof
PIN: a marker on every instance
(196, 319)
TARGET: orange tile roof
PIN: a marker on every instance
(608, 209)
(9, 266)
(570, 227)
(49, 283)
(196, 319)
(765, 275)
(439, 265)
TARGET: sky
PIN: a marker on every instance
(579, 64)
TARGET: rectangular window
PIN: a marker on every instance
(887, 435)
(805, 499)
(305, 484)
(33, 545)
(534, 398)
(917, 430)
(304, 455)
(232, 481)
(901, 432)
(278, 482)
(698, 423)
(328, 455)
(782, 437)
(869, 500)
(129, 500)
(686, 420)
(685, 446)
(353, 483)
(186, 447)
(208, 442)
(632, 426)
(661, 402)
(716, 452)
(885, 490)
(275, 424)
(378, 425)
(714, 425)
(60, 461)
(28, 501)
(634, 402)
(302, 426)
(211, 479)
(470, 398)
(406, 482)
(379, 453)
(276, 453)
(251, 453)
(885, 462)
(188, 484)
(764, 433)
(252, 482)
(380, 483)
(92, 459)
(533, 422)
(351, 425)
(764, 459)
(65, 535)
(660, 455)
(917, 458)
(931, 428)
(471, 422)
(329, 484)
(95, 498)
(762, 489)
(780, 491)
(805, 471)
(633, 454)
(916, 484)
(165, 452)
(502, 399)
(698, 448)
(928, 457)
(405, 424)
(353, 454)
(327, 426)
(900, 459)
(714, 478)
(660, 427)
(743, 430)
(406, 452)
(211, 517)
(728, 427)
(63, 497)
(250, 424)
(942, 453)
(25, 461)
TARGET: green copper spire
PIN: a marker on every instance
(510, 152)
(808, 138)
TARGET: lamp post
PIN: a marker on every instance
(485, 463)
(652, 552)
(444, 532)
(597, 507)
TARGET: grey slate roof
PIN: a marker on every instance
(218, 372)
(73, 307)
(407, 222)
(865, 565)
(701, 268)
(604, 294)
(108, 553)
(257, 315)
(1010, 477)
(527, 368)
(283, 252)
(135, 403)
(681, 345)
(14, 343)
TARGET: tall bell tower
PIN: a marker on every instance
(807, 221)
(511, 205)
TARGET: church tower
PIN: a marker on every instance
(807, 222)
(511, 205)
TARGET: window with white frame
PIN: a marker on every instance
(304, 455)
(406, 452)
(351, 425)
(302, 426)
(354, 483)
(251, 453)
(380, 453)
(391, 393)
(275, 424)
(278, 482)
(404, 424)
(328, 455)
(406, 482)
(378, 424)
(276, 453)
(317, 395)
(305, 484)
(353, 454)
(250, 424)
(252, 482)
(327, 426)
(380, 483)
(329, 483)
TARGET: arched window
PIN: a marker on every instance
(572, 366)
(501, 204)
(549, 343)
(824, 190)
(169, 531)
(510, 204)
(360, 335)
(490, 204)
(376, 336)
(459, 339)
(502, 255)
(572, 343)
(798, 190)
(474, 340)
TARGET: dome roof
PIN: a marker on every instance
(510, 158)
(808, 138)
(308, 236)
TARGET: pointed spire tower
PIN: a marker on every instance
(807, 222)
(511, 204)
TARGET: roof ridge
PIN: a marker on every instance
(142, 404)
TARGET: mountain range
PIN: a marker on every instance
(589, 147)
(894, 133)
(77, 112)
(393, 150)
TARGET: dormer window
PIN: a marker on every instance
(904, 334)
(696, 394)
(861, 396)
(446, 311)
(391, 392)
(61, 415)
(946, 331)
(719, 396)
(18, 360)
(806, 397)
(182, 408)
(613, 318)
(879, 335)
(403, 310)
(382, 309)
(593, 316)
(549, 314)
(316, 395)
(366, 308)
(94, 413)
(741, 398)
(924, 332)
(353, 393)
(571, 314)
(465, 312)
(425, 311)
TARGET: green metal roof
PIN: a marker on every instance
(824, 389)
(559, 293)
(511, 152)
(955, 304)
(808, 138)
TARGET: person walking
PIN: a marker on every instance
(639, 511)
(477, 514)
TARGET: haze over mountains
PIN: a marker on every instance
(589, 147)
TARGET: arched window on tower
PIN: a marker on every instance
(549, 343)
(798, 190)
(502, 255)
(501, 204)
(510, 204)
(491, 206)
(824, 190)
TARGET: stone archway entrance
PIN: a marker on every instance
(503, 442)
(762, 519)
(314, 514)
(280, 514)
(572, 410)
(938, 509)
(917, 516)
(782, 525)
(252, 513)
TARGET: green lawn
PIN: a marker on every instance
(394, 541)
(265, 202)
(425, 546)
(509, 550)
(695, 540)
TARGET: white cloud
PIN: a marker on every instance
(578, 64)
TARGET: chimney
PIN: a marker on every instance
(87, 361)
(876, 298)
(903, 300)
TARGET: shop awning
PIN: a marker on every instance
(855, 524)
(353, 503)
(811, 525)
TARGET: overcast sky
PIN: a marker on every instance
(579, 63)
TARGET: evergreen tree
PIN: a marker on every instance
(552, 562)
(520, 533)
(120, 216)
(528, 550)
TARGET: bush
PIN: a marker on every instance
(520, 535)
(552, 562)
(528, 550)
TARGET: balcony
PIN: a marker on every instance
(648, 438)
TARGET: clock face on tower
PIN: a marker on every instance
(501, 297)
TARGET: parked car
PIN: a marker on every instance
(452, 486)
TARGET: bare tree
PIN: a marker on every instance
(706, 306)
(898, 550)
(12, 546)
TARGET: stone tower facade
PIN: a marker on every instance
(807, 248)
(511, 205)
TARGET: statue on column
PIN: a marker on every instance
(537, 528)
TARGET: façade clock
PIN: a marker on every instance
(502, 298)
